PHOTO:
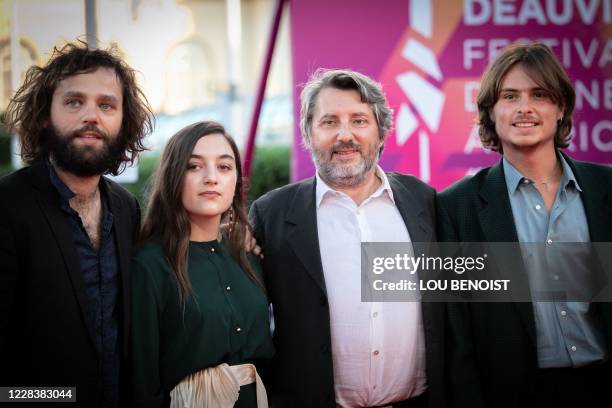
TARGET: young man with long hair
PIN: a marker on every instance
(66, 232)
(540, 353)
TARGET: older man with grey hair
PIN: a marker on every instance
(332, 348)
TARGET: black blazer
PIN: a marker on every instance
(491, 347)
(285, 224)
(45, 336)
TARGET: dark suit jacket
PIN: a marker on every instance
(45, 337)
(285, 224)
(491, 347)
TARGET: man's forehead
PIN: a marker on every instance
(530, 76)
(334, 101)
(101, 81)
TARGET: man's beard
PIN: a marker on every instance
(84, 161)
(344, 175)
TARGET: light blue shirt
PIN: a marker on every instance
(568, 333)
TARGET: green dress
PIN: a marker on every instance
(226, 320)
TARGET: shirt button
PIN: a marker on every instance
(212, 249)
(375, 314)
(525, 181)
(538, 207)
(556, 277)
(376, 352)
(573, 348)
(228, 288)
(238, 329)
(549, 241)
(563, 313)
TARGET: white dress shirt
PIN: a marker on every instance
(378, 348)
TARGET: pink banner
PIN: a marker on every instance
(429, 56)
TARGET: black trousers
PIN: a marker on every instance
(416, 402)
(587, 386)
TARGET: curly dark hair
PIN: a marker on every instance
(29, 111)
(546, 71)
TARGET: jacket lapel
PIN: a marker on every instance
(122, 230)
(597, 203)
(496, 219)
(302, 235)
(412, 211)
(48, 201)
(598, 209)
(596, 200)
(497, 223)
(421, 230)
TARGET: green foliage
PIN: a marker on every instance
(270, 170)
(5, 155)
(146, 167)
(5, 148)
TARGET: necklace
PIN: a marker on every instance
(555, 178)
(545, 183)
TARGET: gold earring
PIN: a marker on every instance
(231, 220)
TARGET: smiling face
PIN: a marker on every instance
(525, 116)
(210, 180)
(345, 140)
(85, 121)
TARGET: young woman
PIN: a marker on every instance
(199, 308)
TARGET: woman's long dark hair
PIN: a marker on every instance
(166, 219)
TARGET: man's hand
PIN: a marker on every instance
(251, 246)
(250, 243)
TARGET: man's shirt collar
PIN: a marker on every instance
(514, 178)
(61, 187)
(323, 189)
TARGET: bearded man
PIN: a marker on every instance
(332, 349)
(66, 232)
